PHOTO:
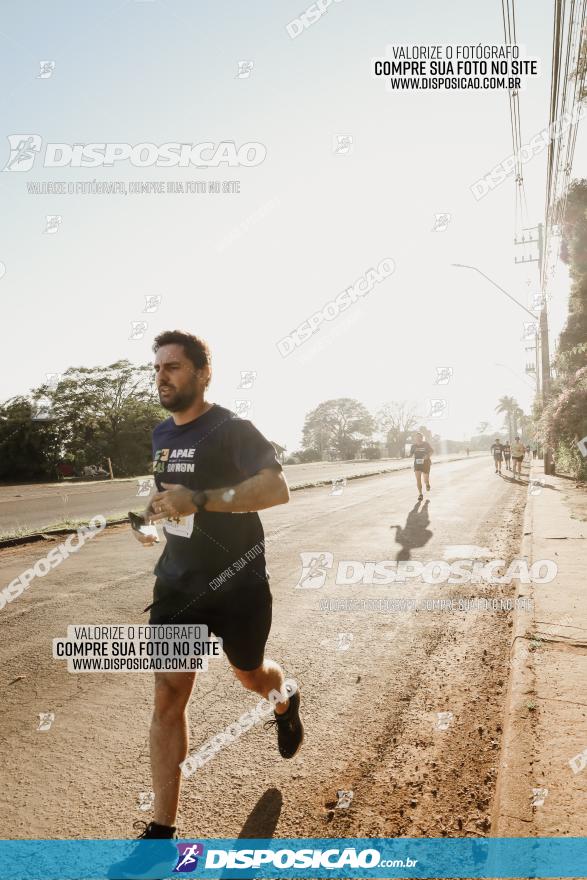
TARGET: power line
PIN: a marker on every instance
(566, 96)
(520, 202)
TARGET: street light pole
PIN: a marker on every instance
(495, 284)
(514, 300)
(546, 371)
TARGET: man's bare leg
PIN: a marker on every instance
(419, 481)
(169, 741)
(262, 680)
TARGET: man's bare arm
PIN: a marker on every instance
(267, 488)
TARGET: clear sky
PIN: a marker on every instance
(159, 72)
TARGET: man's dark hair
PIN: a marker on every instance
(195, 348)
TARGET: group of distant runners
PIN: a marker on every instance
(513, 453)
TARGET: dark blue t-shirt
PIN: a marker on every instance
(217, 450)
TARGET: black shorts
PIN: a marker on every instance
(241, 617)
(424, 467)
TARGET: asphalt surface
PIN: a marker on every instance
(371, 711)
(36, 506)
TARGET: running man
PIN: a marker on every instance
(421, 450)
(213, 472)
(518, 450)
(507, 454)
(497, 452)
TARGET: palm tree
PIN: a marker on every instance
(525, 425)
(518, 416)
(510, 407)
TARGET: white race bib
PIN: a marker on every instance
(419, 461)
(182, 526)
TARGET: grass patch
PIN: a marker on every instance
(72, 524)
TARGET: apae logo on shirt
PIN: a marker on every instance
(161, 456)
(163, 461)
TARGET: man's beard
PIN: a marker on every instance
(180, 400)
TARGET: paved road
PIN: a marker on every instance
(370, 711)
(37, 506)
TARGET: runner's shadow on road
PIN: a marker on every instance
(263, 818)
(261, 821)
(415, 533)
(536, 482)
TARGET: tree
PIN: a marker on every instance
(29, 447)
(482, 427)
(427, 434)
(563, 425)
(572, 353)
(526, 429)
(510, 408)
(305, 456)
(395, 420)
(372, 452)
(580, 71)
(481, 442)
(108, 412)
(562, 422)
(337, 428)
(92, 414)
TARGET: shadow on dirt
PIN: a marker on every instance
(415, 533)
(263, 818)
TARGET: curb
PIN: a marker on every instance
(35, 537)
(406, 467)
(514, 782)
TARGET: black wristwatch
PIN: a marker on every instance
(200, 499)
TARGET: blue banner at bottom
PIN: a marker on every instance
(294, 857)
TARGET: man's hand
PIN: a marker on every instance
(173, 502)
(145, 540)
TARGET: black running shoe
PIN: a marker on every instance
(420, 497)
(153, 858)
(290, 730)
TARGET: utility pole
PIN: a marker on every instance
(542, 346)
(528, 259)
(545, 348)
